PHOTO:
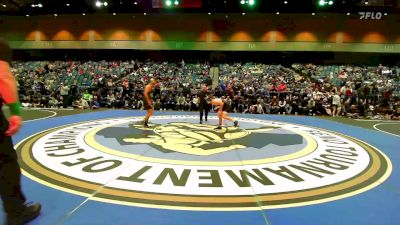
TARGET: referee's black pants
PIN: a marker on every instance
(204, 108)
(10, 173)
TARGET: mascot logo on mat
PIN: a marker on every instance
(180, 164)
(193, 138)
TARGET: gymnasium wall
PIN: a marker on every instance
(252, 32)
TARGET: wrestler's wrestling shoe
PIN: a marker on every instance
(235, 123)
(24, 215)
(218, 128)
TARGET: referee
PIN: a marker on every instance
(18, 213)
(204, 106)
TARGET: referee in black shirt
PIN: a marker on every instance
(204, 106)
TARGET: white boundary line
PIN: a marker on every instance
(54, 114)
(384, 121)
(375, 127)
(34, 108)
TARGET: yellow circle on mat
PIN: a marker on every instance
(309, 148)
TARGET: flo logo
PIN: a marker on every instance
(180, 164)
(370, 15)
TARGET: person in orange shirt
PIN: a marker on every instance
(18, 213)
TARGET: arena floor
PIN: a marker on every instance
(104, 168)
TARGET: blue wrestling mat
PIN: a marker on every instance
(105, 168)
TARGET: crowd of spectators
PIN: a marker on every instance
(307, 89)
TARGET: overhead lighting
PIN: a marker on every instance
(114, 14)
(67, 4)
(27, 15)
(366, 2)
(83, 14)
(55, 14)
(348, 14)
(385, 14)
(170, 2)
(144, 13)
(277, 13)
(135, 3)
(209, 13)
(4, 5)
(323, 3)
(248, 3)
(243, 14)
(313, 14)
(285, 2)
(99, 3)
(38, 5)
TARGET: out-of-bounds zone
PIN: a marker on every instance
(389, 126)
(35, 114)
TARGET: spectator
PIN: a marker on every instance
(282, 106)
(111, 100)
(336, 106)
(274, 104)
(95, 105)
(247, 84)
(54, 103)
(64, 91)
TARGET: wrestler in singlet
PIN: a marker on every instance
(147, 101)
(222, 112)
